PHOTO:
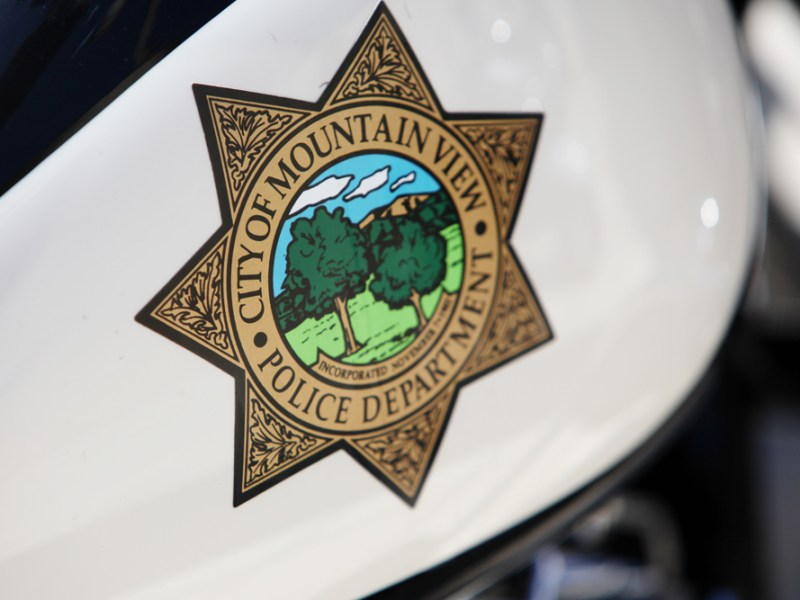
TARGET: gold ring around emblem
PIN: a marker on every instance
(330, 395)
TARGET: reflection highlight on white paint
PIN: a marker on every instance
(709, 213)
(501, 31)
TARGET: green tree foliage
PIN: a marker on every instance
(409, 262)
(437, 212)
(327, 263)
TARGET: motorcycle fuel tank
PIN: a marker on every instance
(335, 292)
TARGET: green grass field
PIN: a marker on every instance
(382, 331)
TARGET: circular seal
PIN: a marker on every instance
(362, 268)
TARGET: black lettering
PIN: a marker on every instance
(391, 401)
(439, 155)
(284, 182)
(421, 384)
(339, 130)
(434, 371)
(313, 137)
(402, 131)
(362, 119)
(376, 404)
(476, 256)
(250, 255)
(460, 176)
(341, 414)
(289, 381)
(383, 129)
(461, 336)
(405, 387)
(447, 354)
(322, 399)
(480, 278)
(416, 133)
(252, 318)
(473, 305)
(258, 227)
(273, 359)
(296, 161)
(475, 198)
(297, 391)
(314, 393)
(261, 203)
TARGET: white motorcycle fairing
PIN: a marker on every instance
(637, 226)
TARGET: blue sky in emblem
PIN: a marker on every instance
(359, 184)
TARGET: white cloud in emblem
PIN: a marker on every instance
(407, 178)
(370, 183)
(326, 189)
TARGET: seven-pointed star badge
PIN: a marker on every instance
(362, 273)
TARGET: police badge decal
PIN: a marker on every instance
(362, 272)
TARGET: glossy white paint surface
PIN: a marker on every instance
(116, 445)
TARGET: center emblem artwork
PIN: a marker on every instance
(362, 273)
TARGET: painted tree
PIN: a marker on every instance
(327, 263)
(410, 262)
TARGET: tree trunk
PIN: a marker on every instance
(416, 300)
(351, 345)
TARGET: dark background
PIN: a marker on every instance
(61, 61)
